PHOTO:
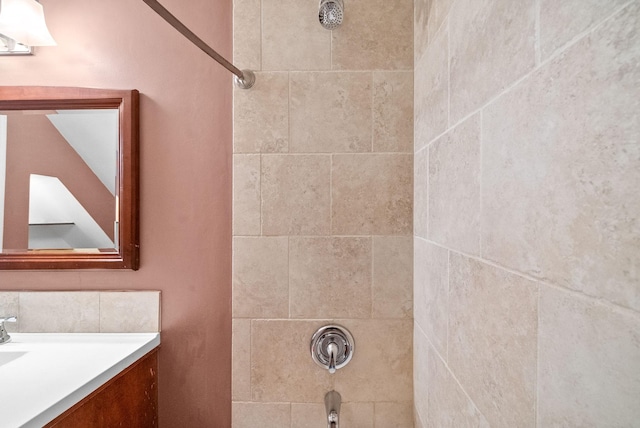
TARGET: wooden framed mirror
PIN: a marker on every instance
(68, 178)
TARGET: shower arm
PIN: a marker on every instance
(244, 79)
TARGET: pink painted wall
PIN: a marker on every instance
(185, 128)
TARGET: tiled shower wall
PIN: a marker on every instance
(527, 233)
(322, 223)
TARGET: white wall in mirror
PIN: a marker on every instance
(93, 134)
(57, 220)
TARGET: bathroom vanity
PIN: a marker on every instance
(79, 380)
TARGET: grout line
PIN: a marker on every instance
(421, 149)
(325, 319)
(538, 281)
(433, 350)
(261, 34)
(371, 107)
(536, 414)
(448, 302)
(453, 376)
(331, 50)
(426, 202)
(481, 142)
(536, 41)
(577, 38)
(250, 362)
(322, 236)
(558, 52)
(260, 214)
(289, 91)
(448, 74)
(331, 160)
(329, 153)
(371, 285)
(289, 274)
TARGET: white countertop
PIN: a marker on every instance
(44, 374)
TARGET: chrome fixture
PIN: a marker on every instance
(332, 401)
(4, 336)
(332, 347)
(22, 26)
(244, 79)
(331, 13)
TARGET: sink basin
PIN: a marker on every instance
(7, 357)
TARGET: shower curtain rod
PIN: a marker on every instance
(243, 78)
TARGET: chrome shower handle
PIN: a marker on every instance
(332, 347)
(332, 351)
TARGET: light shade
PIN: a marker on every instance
(23, 21)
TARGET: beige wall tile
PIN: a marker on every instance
(331, 112)
(371, 194)
(10, 306)
(449, 406)
(356, 415)
(454, 188)
(431, 292)
(261, 277)
(261, 415)
(382, 361)
(292, 37)
(247, 34)
(421, 352)
(420, 193)
(308, 415)
(261, 115)
(561, 167)
(394, 415)
(281, 366)
(313, 415)
(393, 111)
(330, 277)
(375, 35)
(241, 360)
(129, 311)
(60, 312)
(589, 371)
(493, 340)
(561, 21)
(296, 194)
(431, 96)
(392, 292)
(246, 195)
(492, 45)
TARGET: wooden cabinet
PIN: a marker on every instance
(129, 400)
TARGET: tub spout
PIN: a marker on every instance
(332, 401)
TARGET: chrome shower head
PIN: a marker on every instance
(331, 13)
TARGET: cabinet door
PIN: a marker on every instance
(130, 400)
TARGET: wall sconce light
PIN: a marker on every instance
(22, 26)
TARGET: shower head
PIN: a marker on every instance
(331, 13)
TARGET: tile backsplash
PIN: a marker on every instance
(82, 311)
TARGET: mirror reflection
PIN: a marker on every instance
(58, 179)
